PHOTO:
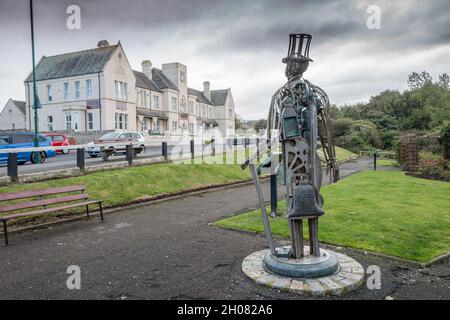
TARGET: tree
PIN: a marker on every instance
(237, 122)
(260, 124)
(417, 80)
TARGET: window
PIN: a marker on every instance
(156, 102)
(210, 112)
(143, 125)
(174, 103)
(90, 121)
(75, 121)
(89, 88)
(191, 107)
(50, 123)
(191, 128)
(121, 90)
(77, 89)
(49, 93)
(68, 121)
(66, 91)
(121, 121)
(144, 99)
(158, 125)
(182, 76)
(57, 138)
(174, 126)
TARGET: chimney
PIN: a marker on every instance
(102, 43)
(147, 68)
(207, 90)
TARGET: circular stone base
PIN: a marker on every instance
(306, 267)
(349, 276)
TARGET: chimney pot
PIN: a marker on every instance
(147, 68)
(102, 43)
(207, 90)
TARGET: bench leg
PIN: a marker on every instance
(87, 212)
(101, 210)
(5, 232)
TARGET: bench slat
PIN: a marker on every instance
(49, 210)
(43, 202)
(35, 193)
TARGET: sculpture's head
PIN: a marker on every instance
(297, 60)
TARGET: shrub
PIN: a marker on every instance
(434, 169)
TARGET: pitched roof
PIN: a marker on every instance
(73, 63)
(20, 105)
(200, 96)
(162, 81)
(219, 97)
(142, 81)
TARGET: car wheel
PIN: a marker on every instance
(65, 151)
(93, 155)
(42, 155)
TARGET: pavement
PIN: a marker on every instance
(169, 250)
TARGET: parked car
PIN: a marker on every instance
(111, 140)
(58, 139)
(24, 140)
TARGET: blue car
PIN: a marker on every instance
(9, 140)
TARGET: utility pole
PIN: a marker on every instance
(36, 103)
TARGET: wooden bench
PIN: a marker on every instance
(45, 200)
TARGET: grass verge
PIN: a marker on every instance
(381, 211)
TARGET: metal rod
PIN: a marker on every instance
(36, 103)
(129, 154)
(273, 196)
(164, 149)
(264, 217)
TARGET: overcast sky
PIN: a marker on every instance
(240, 44)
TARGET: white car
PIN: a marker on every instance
(112, 141)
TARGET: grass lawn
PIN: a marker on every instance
(343, 154)
(386, 163)
(380, 211)
(124, 185)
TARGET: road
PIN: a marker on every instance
(62, 161)
(169, 250)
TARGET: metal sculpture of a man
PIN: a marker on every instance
(299, 121)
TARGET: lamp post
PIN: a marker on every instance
(36, 103)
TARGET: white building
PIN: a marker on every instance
(12, 116)
(96, 90)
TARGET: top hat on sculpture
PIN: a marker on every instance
(297, 60)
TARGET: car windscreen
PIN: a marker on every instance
(22, 138)
(4, 140)
(57, 138)
(110, 135)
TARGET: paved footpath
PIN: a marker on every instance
(169, 251)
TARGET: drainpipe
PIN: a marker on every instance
(99, 101)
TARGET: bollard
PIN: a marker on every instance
(192, 149)
(375, 161)
(273, 196)
(164, 150)
(12, 167)
(129, 154)
(81, 159)
(213, 147)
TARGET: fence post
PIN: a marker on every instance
(375, 161)
(192, 149)
(257, 149)
(213, 147)
(164, 150)
(273, 195)
(129, 154)
(81, 159)
(12, 167)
